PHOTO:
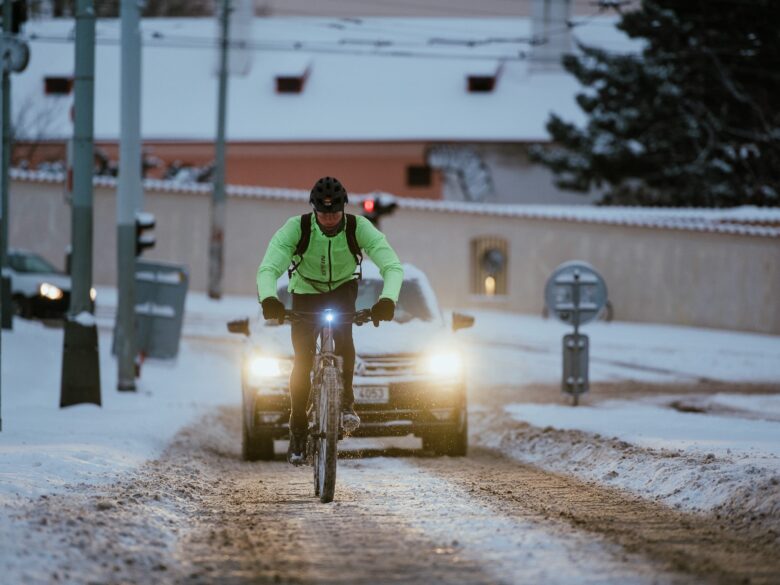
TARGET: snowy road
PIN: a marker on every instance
(201, 515)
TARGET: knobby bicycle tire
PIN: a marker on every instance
(328, 412)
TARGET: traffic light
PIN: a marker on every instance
(143, 222)
(375, 207)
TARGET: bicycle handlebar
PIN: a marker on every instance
(358, 317)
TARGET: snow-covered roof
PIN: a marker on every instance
(745, 220)
(380, 79)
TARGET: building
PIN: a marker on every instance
(432, 108)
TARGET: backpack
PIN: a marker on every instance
(303, 243)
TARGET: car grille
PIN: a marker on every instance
(386, 365)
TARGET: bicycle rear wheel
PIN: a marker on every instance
(327, 442)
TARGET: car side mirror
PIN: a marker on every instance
(461, 321)
(239, 326)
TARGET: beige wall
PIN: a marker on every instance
(653, 275)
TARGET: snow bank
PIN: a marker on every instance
(43, 447)
(695, 462)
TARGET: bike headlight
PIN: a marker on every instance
(50, 291)
(447, 364)
(260, 368)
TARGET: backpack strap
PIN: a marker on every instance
(352, 242)
(303, 243)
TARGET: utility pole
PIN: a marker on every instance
(217, 238)
(130, 192)
(80, 359)
(6, 320)
(4, 95)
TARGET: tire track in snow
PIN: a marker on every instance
(426, 494)
(697, 545)
(199, 515)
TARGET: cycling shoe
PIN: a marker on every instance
(350, 421)
(296, 452)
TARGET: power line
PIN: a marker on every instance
(382, 47)
(302, 47)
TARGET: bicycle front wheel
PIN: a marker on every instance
(327, 442)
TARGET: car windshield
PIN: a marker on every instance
(411, 304)
(30, 263)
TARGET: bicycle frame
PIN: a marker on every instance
(327, 343)
(324, 409)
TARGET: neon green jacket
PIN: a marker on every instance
(327, 262)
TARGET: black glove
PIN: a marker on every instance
(273, 309)
(383, 310)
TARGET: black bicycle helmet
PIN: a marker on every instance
(328, 195)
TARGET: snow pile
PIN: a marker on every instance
(703, 463)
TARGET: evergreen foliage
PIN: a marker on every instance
(693, 119)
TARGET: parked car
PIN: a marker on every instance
(38, 289)
(409, 373)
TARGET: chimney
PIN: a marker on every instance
(551, 33)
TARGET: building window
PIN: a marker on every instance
(481, 84)
(489, 266)
(485, 79)
(293, 78)
(418, 176)
(290, 84)
(57, 85)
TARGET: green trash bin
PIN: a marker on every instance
(160, 291)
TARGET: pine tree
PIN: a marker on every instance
(693, 119)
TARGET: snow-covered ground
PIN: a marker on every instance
(43, 447)
(705, 451)
(521, 349)
(693, 459)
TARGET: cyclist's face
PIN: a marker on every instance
(329, 220)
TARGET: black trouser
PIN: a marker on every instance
(304, 340)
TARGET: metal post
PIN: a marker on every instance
(80, 361)
(130, 192)
(3, 183)
(6, 321)
(217, 238)
(575, 295)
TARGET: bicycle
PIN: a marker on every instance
(324, 404)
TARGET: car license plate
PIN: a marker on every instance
(372, 394)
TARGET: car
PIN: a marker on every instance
(38, 289)
(409, 373)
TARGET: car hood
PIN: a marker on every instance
(27, 284)
(387, 339)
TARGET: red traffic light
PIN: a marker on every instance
(368, 205)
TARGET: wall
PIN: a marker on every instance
(653, 275)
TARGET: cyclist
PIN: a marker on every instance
(323, 275)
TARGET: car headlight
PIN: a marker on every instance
(260, 368)
(92, 293)
(447, 364)
(50, 291)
